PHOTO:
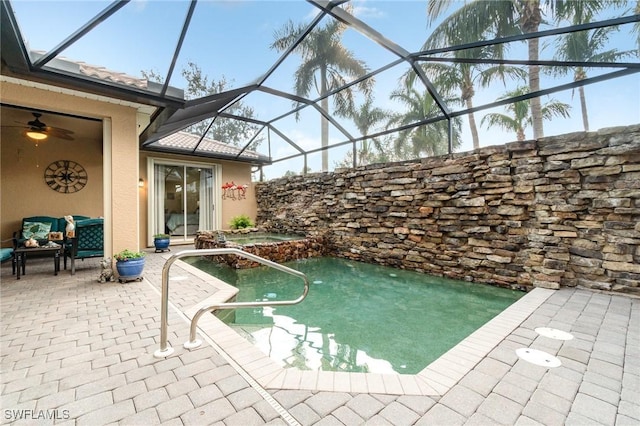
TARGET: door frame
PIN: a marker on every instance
(217, 196)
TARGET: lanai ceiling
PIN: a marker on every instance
(142, 51)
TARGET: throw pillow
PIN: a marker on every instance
(37, 230)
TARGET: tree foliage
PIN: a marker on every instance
(427, 139)
(326, 65)
(462, 76)
(499, 18)
(519, 118)
(585, 46)
(366, 117)
(225, 130)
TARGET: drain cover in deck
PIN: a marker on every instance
(554, 333)
(537, 357)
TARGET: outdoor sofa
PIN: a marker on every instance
(88, 241)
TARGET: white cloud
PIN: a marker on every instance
(139, 5)
(361, 10)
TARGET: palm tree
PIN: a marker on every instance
(425, 140)
(585, 46)
(502, 17)
(365, 118)
(520, 114)
(383, 153)
(465, 76)
(327, 65)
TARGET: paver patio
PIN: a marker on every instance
(75, 351)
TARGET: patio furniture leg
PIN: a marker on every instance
(20, 264)
(56, 263)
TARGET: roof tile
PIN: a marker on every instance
(189, 141)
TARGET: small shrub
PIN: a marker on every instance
(127, 254)
(240, 222)
(156, 236)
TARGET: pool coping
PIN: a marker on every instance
(434, 380)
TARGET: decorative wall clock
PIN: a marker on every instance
(65, 176)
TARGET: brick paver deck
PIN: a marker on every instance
(74, 351)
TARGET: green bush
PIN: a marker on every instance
(127, 254)
(240, 222)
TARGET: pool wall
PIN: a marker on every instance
(564, 210)
(277, 251)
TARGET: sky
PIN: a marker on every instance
(231, 39)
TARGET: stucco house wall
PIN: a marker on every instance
(119, 152)
(230, 172)
(114, 164)
(24, 191)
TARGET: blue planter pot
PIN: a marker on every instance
(161, 244)
(130, 270)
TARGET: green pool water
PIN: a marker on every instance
(358, 317)
(257, 238)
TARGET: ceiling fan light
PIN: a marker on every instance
(36, 135)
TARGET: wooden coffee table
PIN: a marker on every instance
(20, 257)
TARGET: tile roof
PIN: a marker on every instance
(117, 77)
(180, 141)
(189, 142)
(95, 71)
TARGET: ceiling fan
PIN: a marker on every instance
(38, 131)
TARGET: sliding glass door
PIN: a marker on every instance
(181, 199)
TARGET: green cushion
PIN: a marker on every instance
(44, 219)
(5, 254)
(37, 230)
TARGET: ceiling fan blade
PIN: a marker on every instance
(59, 133)
(39, 126)
(58, 130)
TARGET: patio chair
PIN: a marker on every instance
(88, 242)
(44, 225)
(6, 253)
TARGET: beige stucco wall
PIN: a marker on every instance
(24, 191)
(112, 164)
(240, 173)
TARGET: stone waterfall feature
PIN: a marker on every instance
(560, 211)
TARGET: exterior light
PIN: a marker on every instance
(140, 183)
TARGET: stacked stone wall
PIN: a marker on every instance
(561, 211)
(279, 252)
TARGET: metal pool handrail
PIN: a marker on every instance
(165, 350)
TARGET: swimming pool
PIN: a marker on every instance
(359, 317)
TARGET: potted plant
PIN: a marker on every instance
(161, 242)
(241, 221)
(129, 265)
